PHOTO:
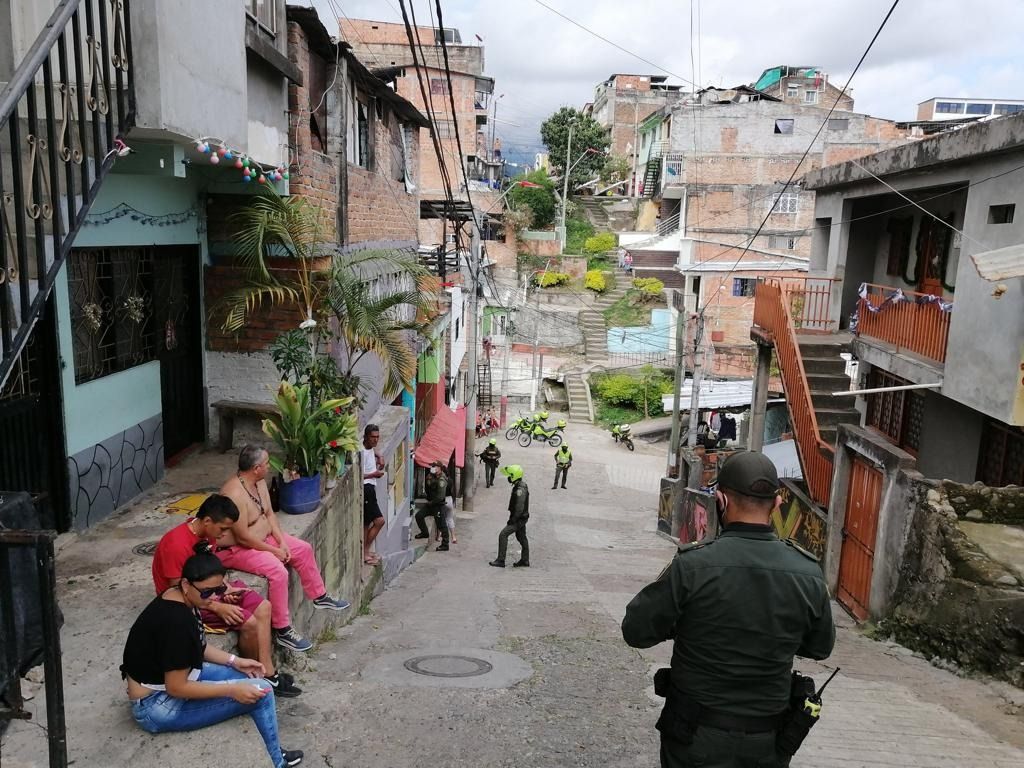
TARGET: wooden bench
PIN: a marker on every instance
(228, 410)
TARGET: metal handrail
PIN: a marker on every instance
(772, 315)
(665, 228)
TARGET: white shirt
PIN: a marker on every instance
(369, 465)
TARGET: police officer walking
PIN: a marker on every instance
(738, 609)
(563, 460)
(436, 488)
(519, 513)
(491, 456)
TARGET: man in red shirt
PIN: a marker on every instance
(240, 608)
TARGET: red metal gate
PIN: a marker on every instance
(857, 557)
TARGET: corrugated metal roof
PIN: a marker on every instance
(714, 394)
(1000, 264)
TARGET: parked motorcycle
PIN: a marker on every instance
(620, 433)
(541, 434)
(522, 424)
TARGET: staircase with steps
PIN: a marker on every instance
(623, 282)
(594, 211)
(60, 123)
(576, 389)
(595, 335)
(826, 373)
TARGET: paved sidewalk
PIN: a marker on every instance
(557, 686)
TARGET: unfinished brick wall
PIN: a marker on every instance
(379, 208)
(262, 326)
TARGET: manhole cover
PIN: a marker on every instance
(448, 666)
(145, 550)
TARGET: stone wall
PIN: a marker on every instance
(955, 603)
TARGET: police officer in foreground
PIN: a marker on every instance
(491, 456)
(518, 514)
(739, 608)
(436, 491)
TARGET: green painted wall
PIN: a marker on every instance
(98, 409)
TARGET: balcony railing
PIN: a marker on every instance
(809, 299)
(910, 321)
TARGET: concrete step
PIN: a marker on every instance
(827, 382)
(831, 366)
(822, 348)
(830, 417)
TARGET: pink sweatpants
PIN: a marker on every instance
(266, 564)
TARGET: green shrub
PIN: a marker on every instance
(650, 288)
(551, 279)
(600, 243)
(641, 391)
(619, 389)
(595, 281)
(577, 230)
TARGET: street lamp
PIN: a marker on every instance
(565, 184)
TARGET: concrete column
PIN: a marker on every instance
(759, 397)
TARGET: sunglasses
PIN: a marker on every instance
(206, 594)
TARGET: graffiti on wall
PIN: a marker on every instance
(798, 518)
(696, 516)
(665, 505)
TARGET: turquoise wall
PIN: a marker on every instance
(98, 409)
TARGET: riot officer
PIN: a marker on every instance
(563, 460)
(491, 456)
(436, 488)
(518, 514)
(738, 609)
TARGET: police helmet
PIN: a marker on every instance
(492, 441)
(513, 472)
(544, 415)
(561, 423)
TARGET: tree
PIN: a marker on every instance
(587, 133)
(615, 169)
(539, 197)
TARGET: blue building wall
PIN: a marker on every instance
(114, 434)
(656, 337)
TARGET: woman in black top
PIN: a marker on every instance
(176, 682)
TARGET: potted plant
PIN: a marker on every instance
(308, 437)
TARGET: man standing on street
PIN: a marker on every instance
(738, 609)
(491, 456)
(436, 487)
(519, 513)
(563, 460)
(256, 544)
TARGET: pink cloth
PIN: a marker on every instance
(266, 564)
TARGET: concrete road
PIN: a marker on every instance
(526, 667)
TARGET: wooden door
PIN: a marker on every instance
(933, 251)
(857, 557)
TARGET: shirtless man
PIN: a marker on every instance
(256, 544)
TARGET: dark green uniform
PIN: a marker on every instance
(491, 456)
(436, 488)
(518, 514)
(738, 610)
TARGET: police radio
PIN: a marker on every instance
(804, 711)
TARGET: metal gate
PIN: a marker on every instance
(179, 345)
(859, 529)
(32, 426)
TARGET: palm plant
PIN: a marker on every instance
(268, 227)
(374, 320)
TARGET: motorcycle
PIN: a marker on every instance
(522, 424)
(551, 435)
(620, 433)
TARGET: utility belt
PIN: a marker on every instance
(681, 716)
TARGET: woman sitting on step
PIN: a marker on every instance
(176, 682)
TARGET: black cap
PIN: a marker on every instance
(751, 474)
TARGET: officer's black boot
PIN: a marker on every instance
(497, 563)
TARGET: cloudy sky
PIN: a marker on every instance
(541, 61)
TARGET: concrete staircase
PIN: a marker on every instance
(576, 389)
(826, 373)
(595, 335)
(623, 282)
(594, 211)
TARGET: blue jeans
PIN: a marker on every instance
(161, 713)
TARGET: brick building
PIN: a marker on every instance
(622, 102)
(806, 85)
(747, 145)
(384, 47)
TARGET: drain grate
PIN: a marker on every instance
(448, 666)
(147, 549)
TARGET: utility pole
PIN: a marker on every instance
(673, 451)
(565, 184)
(636, 142)
(698, 375)
(508, 350)
(533, 363)
(472, 383)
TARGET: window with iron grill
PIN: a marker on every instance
(743, 286)
(787, 202)
(897, 415)
(1001, 457)
(111, 296)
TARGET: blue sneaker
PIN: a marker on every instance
(289, 638)
(329, 603)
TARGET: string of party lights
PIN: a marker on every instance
(217, 152)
